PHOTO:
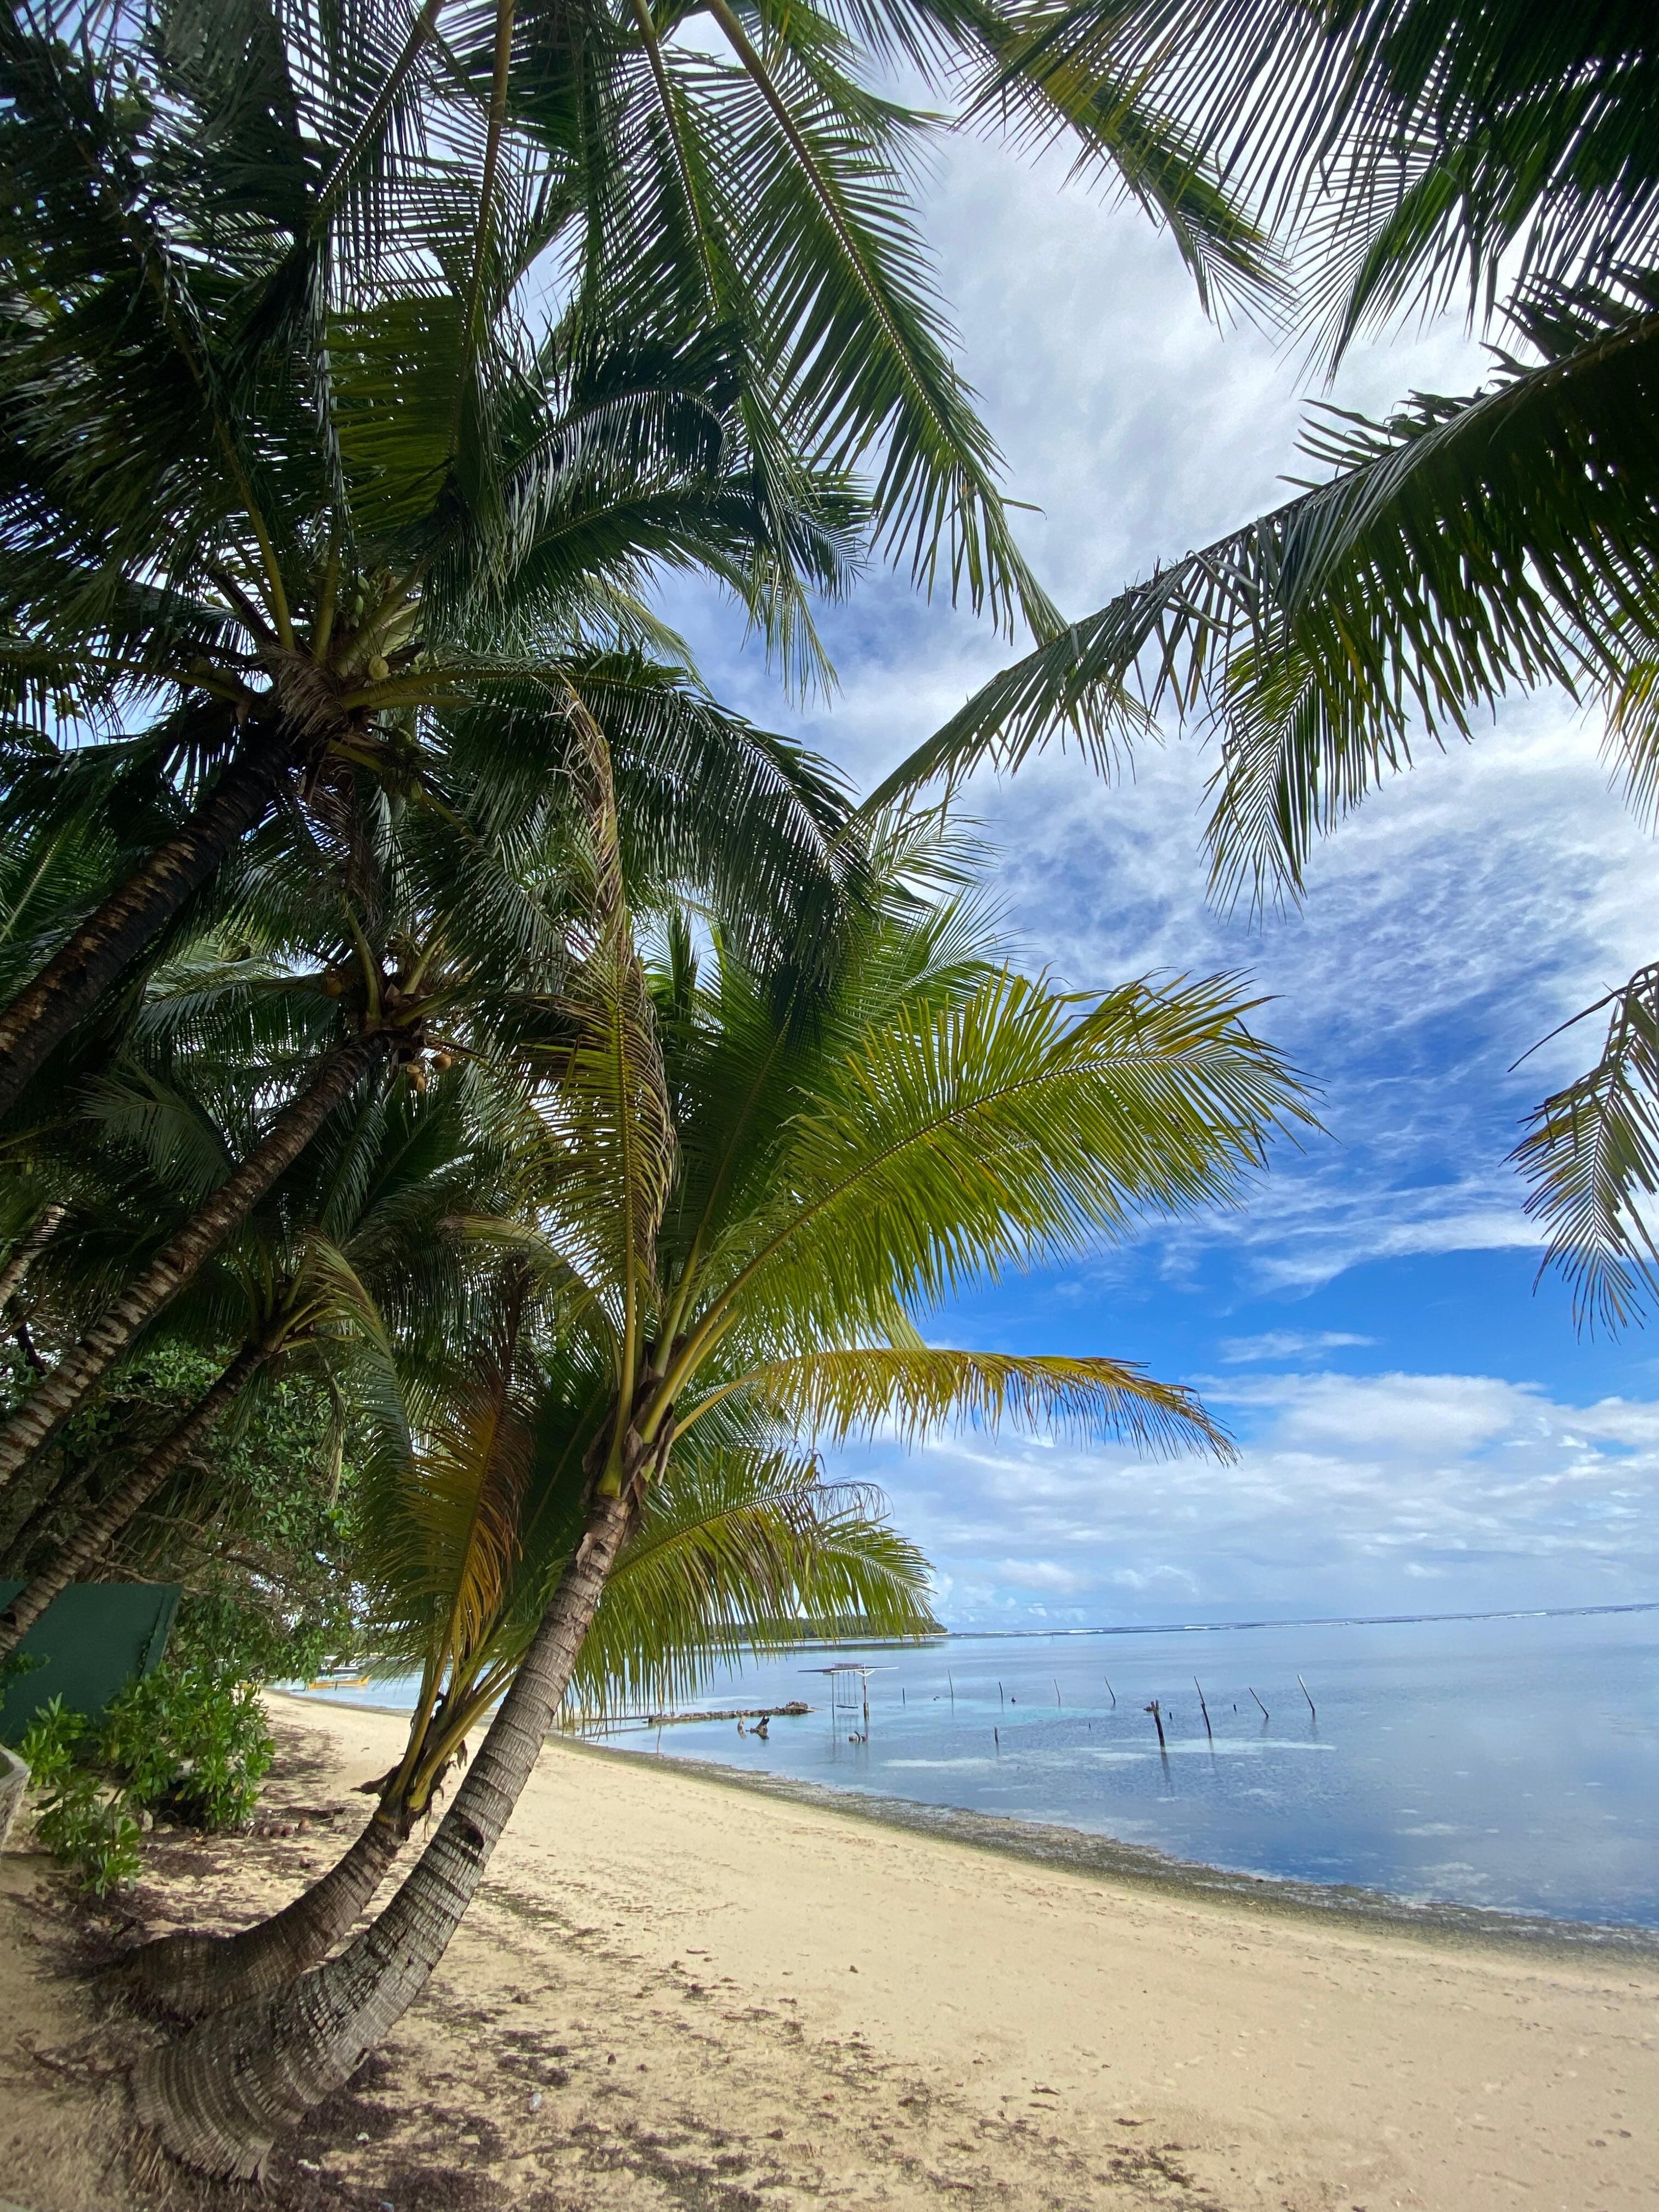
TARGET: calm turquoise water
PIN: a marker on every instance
(1512, 1764)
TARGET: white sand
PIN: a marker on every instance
(724, 2000)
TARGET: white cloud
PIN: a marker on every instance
(1040, 1575)
(1347, 1489)
(1287, 1343)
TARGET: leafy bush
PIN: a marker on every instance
(86, 1825)
(81, 1821)
(189, 1742)
(218, 1630)
(185, 1740)
(49, 1742)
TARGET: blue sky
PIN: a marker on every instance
(1418, 1432)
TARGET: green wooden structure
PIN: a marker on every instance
(93, 1637)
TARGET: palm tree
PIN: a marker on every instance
(299, 450)
(371, 1234)
(323, 481)
(436, 928)
(742, 1547)
(1465, 547)
(753, 1185)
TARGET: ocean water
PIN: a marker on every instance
(1512, 1764)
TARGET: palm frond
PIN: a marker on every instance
(740, 1553)
(1047, 88)
(1463, 549)
(916, 1389)
(1013, 1124)
(611, 1163)
(1415, 150)
(1592, 1158)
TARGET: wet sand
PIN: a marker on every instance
(679, 1990)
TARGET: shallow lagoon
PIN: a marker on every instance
(1512, 1764)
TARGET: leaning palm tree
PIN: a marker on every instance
(466, 1521)
(754, 1184)
(1465, 547)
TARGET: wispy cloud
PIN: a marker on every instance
(1346, 1491)
(1278, 1344)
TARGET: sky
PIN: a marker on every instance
(1417, 1431)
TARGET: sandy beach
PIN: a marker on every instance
(676, 1991)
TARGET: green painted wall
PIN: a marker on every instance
(93, 1637)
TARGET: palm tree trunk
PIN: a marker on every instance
(81, 971)
(219, 2099)
(190, 1975)
(35, 1508)
(41, 1414)
(112, 1513)
(23, 1252)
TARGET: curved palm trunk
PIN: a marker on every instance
(190, 1975)
(219, 2099)
(81, 971)
(42, 1413)
(112, 1513)
(23, 1252)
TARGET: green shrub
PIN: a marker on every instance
(87, 1827)
(218, 1632)
(48, 1747)
(81, 1821)
(186, 1742)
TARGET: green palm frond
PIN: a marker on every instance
(867, 362)
(740, 1553)
(1048, 86)
(440, 1541)
(1415, 150)
(916, 1389)
(1463, 549)
(1013, 1124)
(611, 1159)
(1592, 1158)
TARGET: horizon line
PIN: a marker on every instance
(1327, 1620)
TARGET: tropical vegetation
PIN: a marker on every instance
(428, 1007)
(754, 1181)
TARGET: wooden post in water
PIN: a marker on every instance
(1057, 1696)
(1204, 1709)
(999, 1702)
(953, 1689)
(1312, 1708)
(1110, 1691)
(1265, 1715)
(1158, 1722)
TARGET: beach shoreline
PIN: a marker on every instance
(676, 1988)
(1084, 1850)
(1081, 1850)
